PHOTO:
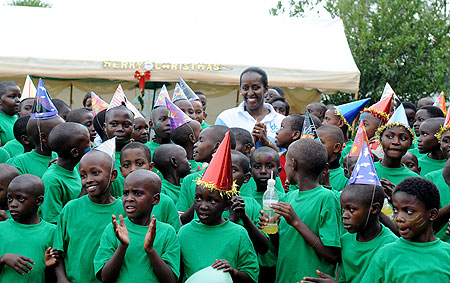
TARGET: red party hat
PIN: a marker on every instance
(218, 175)
(360, 139)
(381, 109)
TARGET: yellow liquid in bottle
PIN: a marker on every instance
(387, 209)
(270, 229)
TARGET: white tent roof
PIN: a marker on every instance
(90, 41)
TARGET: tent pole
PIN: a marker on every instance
(237, 97)
(356, 94)
(71, 95)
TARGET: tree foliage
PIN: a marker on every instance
(403, 42)
(30, 3)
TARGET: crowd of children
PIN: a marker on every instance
(101, 193)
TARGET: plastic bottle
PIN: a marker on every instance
(387, 209)
(270, 197)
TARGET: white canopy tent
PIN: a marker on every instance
(208, 43)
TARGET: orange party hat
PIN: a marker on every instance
(360, 139)
(381, 109)
(440, 102)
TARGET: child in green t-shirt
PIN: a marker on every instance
(332, 118)
(25, 107)
(140, 130)
(9, 106)
(433, 158)
(7, 174)
(332, 137)
(84, 117)
(309, 227)
(26, 240)
(244, 140)
(37, 160)
(160, 124)
(411, 162)
(82, 221)
(139, 248)
(62, 182)
(119, 124)
(171, 160)
(417, 256)
(423, 114)
(186, 136)
(135, 156)
(22, 142)
(207, 144)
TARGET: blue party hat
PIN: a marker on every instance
(364, 171)
(399, 118)
(108, 147)
(43, 107)
(309, 130)
(178, 94)
(190, 94)
(177, 117)
(349, 111)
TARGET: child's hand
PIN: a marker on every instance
(3, 215)
(51, 256)
(150, 236)
(17, 262)
(285, 209)
(388, 187)
(237, 208)
(263, 220)
(448, 228)
(121, 230)
(324, 278)
(225, 265)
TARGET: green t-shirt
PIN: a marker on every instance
(202, 244)
(395, 175)
(61, 185)
(80, 226)
(250, 189)
(429, 165)
(6, 127)
(26, 240)
(438, 179)
(117, 185)
(205, 125)
(356, 256)
(405, 261)
(337, 179)
(33, 163)
(153, 146)
(166, 212)
(345, 152)
(187, 193)
(136, 265)
(195, 166)
(14, 148)
(170, 190)
(318, 209)
(4, 155)
(416, 152)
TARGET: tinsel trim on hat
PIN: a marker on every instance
(377, 113)
(211, 186)
(439, 134)
(337, 113)
(381, 130)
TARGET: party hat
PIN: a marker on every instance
(364, 171)
(120, 98)
(360, 140)
(381, 109)
(387, 91)
(218, 175)
(440, 102)
(444, 128)
(43, 107)
(397, 119)
(98, 104)
(160, 101)
(133, 109)
(178, 94)
(108, 147)
(190, 94)
(309, 130)
(349, 111)
(177, 117)
(29, 90)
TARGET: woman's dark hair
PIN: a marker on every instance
(257, 70)
(85, 98)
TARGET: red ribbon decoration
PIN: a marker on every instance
(142, 78)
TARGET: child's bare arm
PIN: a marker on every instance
(386, 221)
(162, 270)
(188, 215)
(330, 254)
(324, 278)
(442, 218)
(236, 275)
(20, 264)
(111, 269)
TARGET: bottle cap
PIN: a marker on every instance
(271, 182)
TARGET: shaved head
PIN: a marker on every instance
(310, 155)
(163, 154)
(151, 181)
(66, 136)
(332, 132)
(28, 184)
(43, 127)
(7, 173)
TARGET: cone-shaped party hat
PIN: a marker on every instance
(218, 176)
(108, 147)
(177, 117)
(309, 129)
(397, 119)
(444, 128)
(43, 107)
(178, 94)
(349, 111)
(388, 91)
(364, 171)
(29, 90)
(360, 140)
(190, 94)
(98, 104)
(120, 98)
(381, 109)
(440, 102)
(160, 101)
